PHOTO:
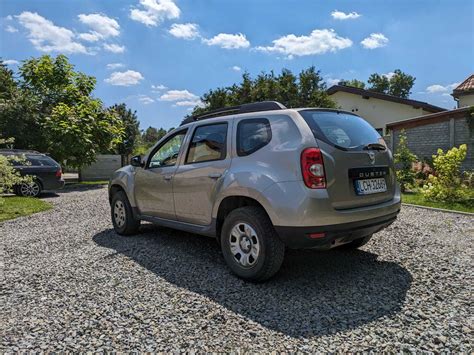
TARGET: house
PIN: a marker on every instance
(464, 93)
(378, 108)
(425, 134)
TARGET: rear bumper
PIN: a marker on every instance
(53, 184)
(334, 235)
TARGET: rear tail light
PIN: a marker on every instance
(59, 173)
(312, 167)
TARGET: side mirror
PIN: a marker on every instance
(136, 161)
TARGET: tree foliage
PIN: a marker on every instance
(404, 159)
(305, 90)
(131, 133)
(399, 84)
(447, 184)
(354, 83)
(51, 109)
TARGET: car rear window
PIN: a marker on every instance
(340, 129)
(40, 160)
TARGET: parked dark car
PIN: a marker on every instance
(46, 172)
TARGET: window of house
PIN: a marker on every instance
(208, 143)
(252, 135)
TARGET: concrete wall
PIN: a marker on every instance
(424, 140)
(377, 112)
(466, 100)
(103, 168)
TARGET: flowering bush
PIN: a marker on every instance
(447, 185)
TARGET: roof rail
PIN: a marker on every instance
(233, 110)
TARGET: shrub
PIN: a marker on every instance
(447, 185)
(404, 159)
(9, 176)
(422, 170)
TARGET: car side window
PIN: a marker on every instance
(208, 143)
(167, 154)
(252, 135)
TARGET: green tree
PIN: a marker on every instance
(131, 135)
(404, 160)
(52, 109)
(354, 83)
(401, 84)
(379, 83)
(305, 90)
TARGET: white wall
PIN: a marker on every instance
(466, 100)
(377, 112)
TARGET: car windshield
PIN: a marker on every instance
(340, 129)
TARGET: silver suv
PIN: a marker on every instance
(259, 178)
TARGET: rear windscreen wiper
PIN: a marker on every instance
(375, 146)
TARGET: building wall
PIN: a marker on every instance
(103, 168)
(466, 100)
(424, 140)
(377, 112)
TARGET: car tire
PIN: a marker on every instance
(122, 215)
(33, 189)
(250, 245)
(355, 244)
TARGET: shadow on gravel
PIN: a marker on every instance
(315, 293)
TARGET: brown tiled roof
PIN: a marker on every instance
(377, 95)
(428, 119)
(466, 86)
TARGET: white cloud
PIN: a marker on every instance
(318, 42)
(102, 27)
(441, 89)
(375, 40)
(11, 62)
(113, 66)
(47, 37)
(146, 100)
(126, 78)
(153, 12)
(389, 75)
(191, 103)
(332, 81)
(185, 30)
(339, 15)
(158, 88)
(11, 29)
(236, 68)
(114, 48)
(178, 95)
(228, 41)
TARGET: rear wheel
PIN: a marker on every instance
(32, 189)
(122, 215)
(357, 243)
(250, 245)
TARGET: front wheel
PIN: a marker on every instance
(250, 245)
(32, 189)
(122, 215)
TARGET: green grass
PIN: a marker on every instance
(13, 206)
(98, 182)
(417, 199)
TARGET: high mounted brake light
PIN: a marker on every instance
(312, 168)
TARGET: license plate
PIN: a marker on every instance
(370, 186)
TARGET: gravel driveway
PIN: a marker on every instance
(70, 283)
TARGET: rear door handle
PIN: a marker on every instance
(215, 175)
(167, 177)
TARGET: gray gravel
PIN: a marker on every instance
(70, 283)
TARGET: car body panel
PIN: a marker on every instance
(271, 176)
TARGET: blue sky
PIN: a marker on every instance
(159, 56)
